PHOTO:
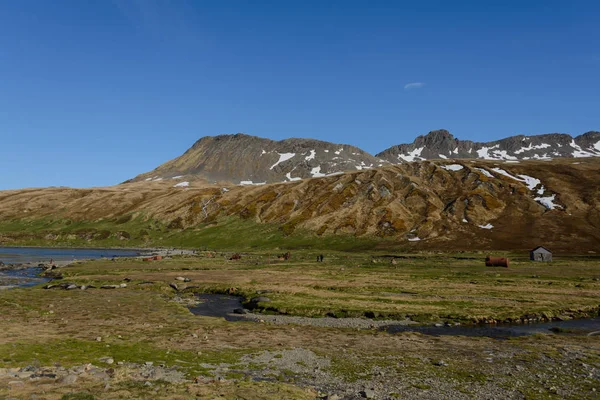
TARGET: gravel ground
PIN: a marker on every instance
(325, 322)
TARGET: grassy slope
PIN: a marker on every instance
(230, 233)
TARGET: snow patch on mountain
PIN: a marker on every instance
(484, 152)
(243, 183)
(453, 167)
(311, 156)
(289, 176)
(283, 157)
(531, 182)
(579, 152)
(548, 202)
(485, 172)
(182, 184)
(411, 156)
(316, 172)
(503, 172)
(532, 147)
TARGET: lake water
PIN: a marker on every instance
(24, 277)
(22, 255)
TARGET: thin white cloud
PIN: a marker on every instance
(414, 85)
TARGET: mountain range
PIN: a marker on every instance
(437, 193)
(250, 160)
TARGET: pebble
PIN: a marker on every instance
(69, 379)
(368, 394)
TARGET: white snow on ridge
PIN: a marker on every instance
(182, 184)
(488, 153)
(548, 202)
(243, 183)
(503, 154)
(485, 172)
(148, 179)
(263, 152)
(283, 157)
(503, 172)
(289, 176)
(597, 145)
(316, 172)
(579, 152)
(488, 226)
(177, 177)
(414, 239)
(311, 156)
(411, 156)
(483, 152)
(532, 147)
(531, 182)
(453, 167)
(443, 156)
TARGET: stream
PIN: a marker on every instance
(222, 306)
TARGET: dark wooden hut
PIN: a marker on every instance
(540, 253)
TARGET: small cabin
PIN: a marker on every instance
(540, 254)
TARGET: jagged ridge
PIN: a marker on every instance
(245, 159)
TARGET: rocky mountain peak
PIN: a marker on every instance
(442, 145)
(251, 160)
(245, 159)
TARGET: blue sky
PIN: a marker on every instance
(93, 93)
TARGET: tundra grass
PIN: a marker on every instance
(423, 288)
(149, 322)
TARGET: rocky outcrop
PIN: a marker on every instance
(250, 160)
(441, 144)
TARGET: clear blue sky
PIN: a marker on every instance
(95, 92)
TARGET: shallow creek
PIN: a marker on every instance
(217, 305)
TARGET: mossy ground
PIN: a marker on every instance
(143, 323)
(421, 287)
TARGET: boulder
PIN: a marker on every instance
(260, 299)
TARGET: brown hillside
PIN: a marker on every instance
(446, 205)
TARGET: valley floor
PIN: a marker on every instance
(141, 341)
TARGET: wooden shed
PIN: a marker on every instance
(540, 253)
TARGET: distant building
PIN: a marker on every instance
(540, 254)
